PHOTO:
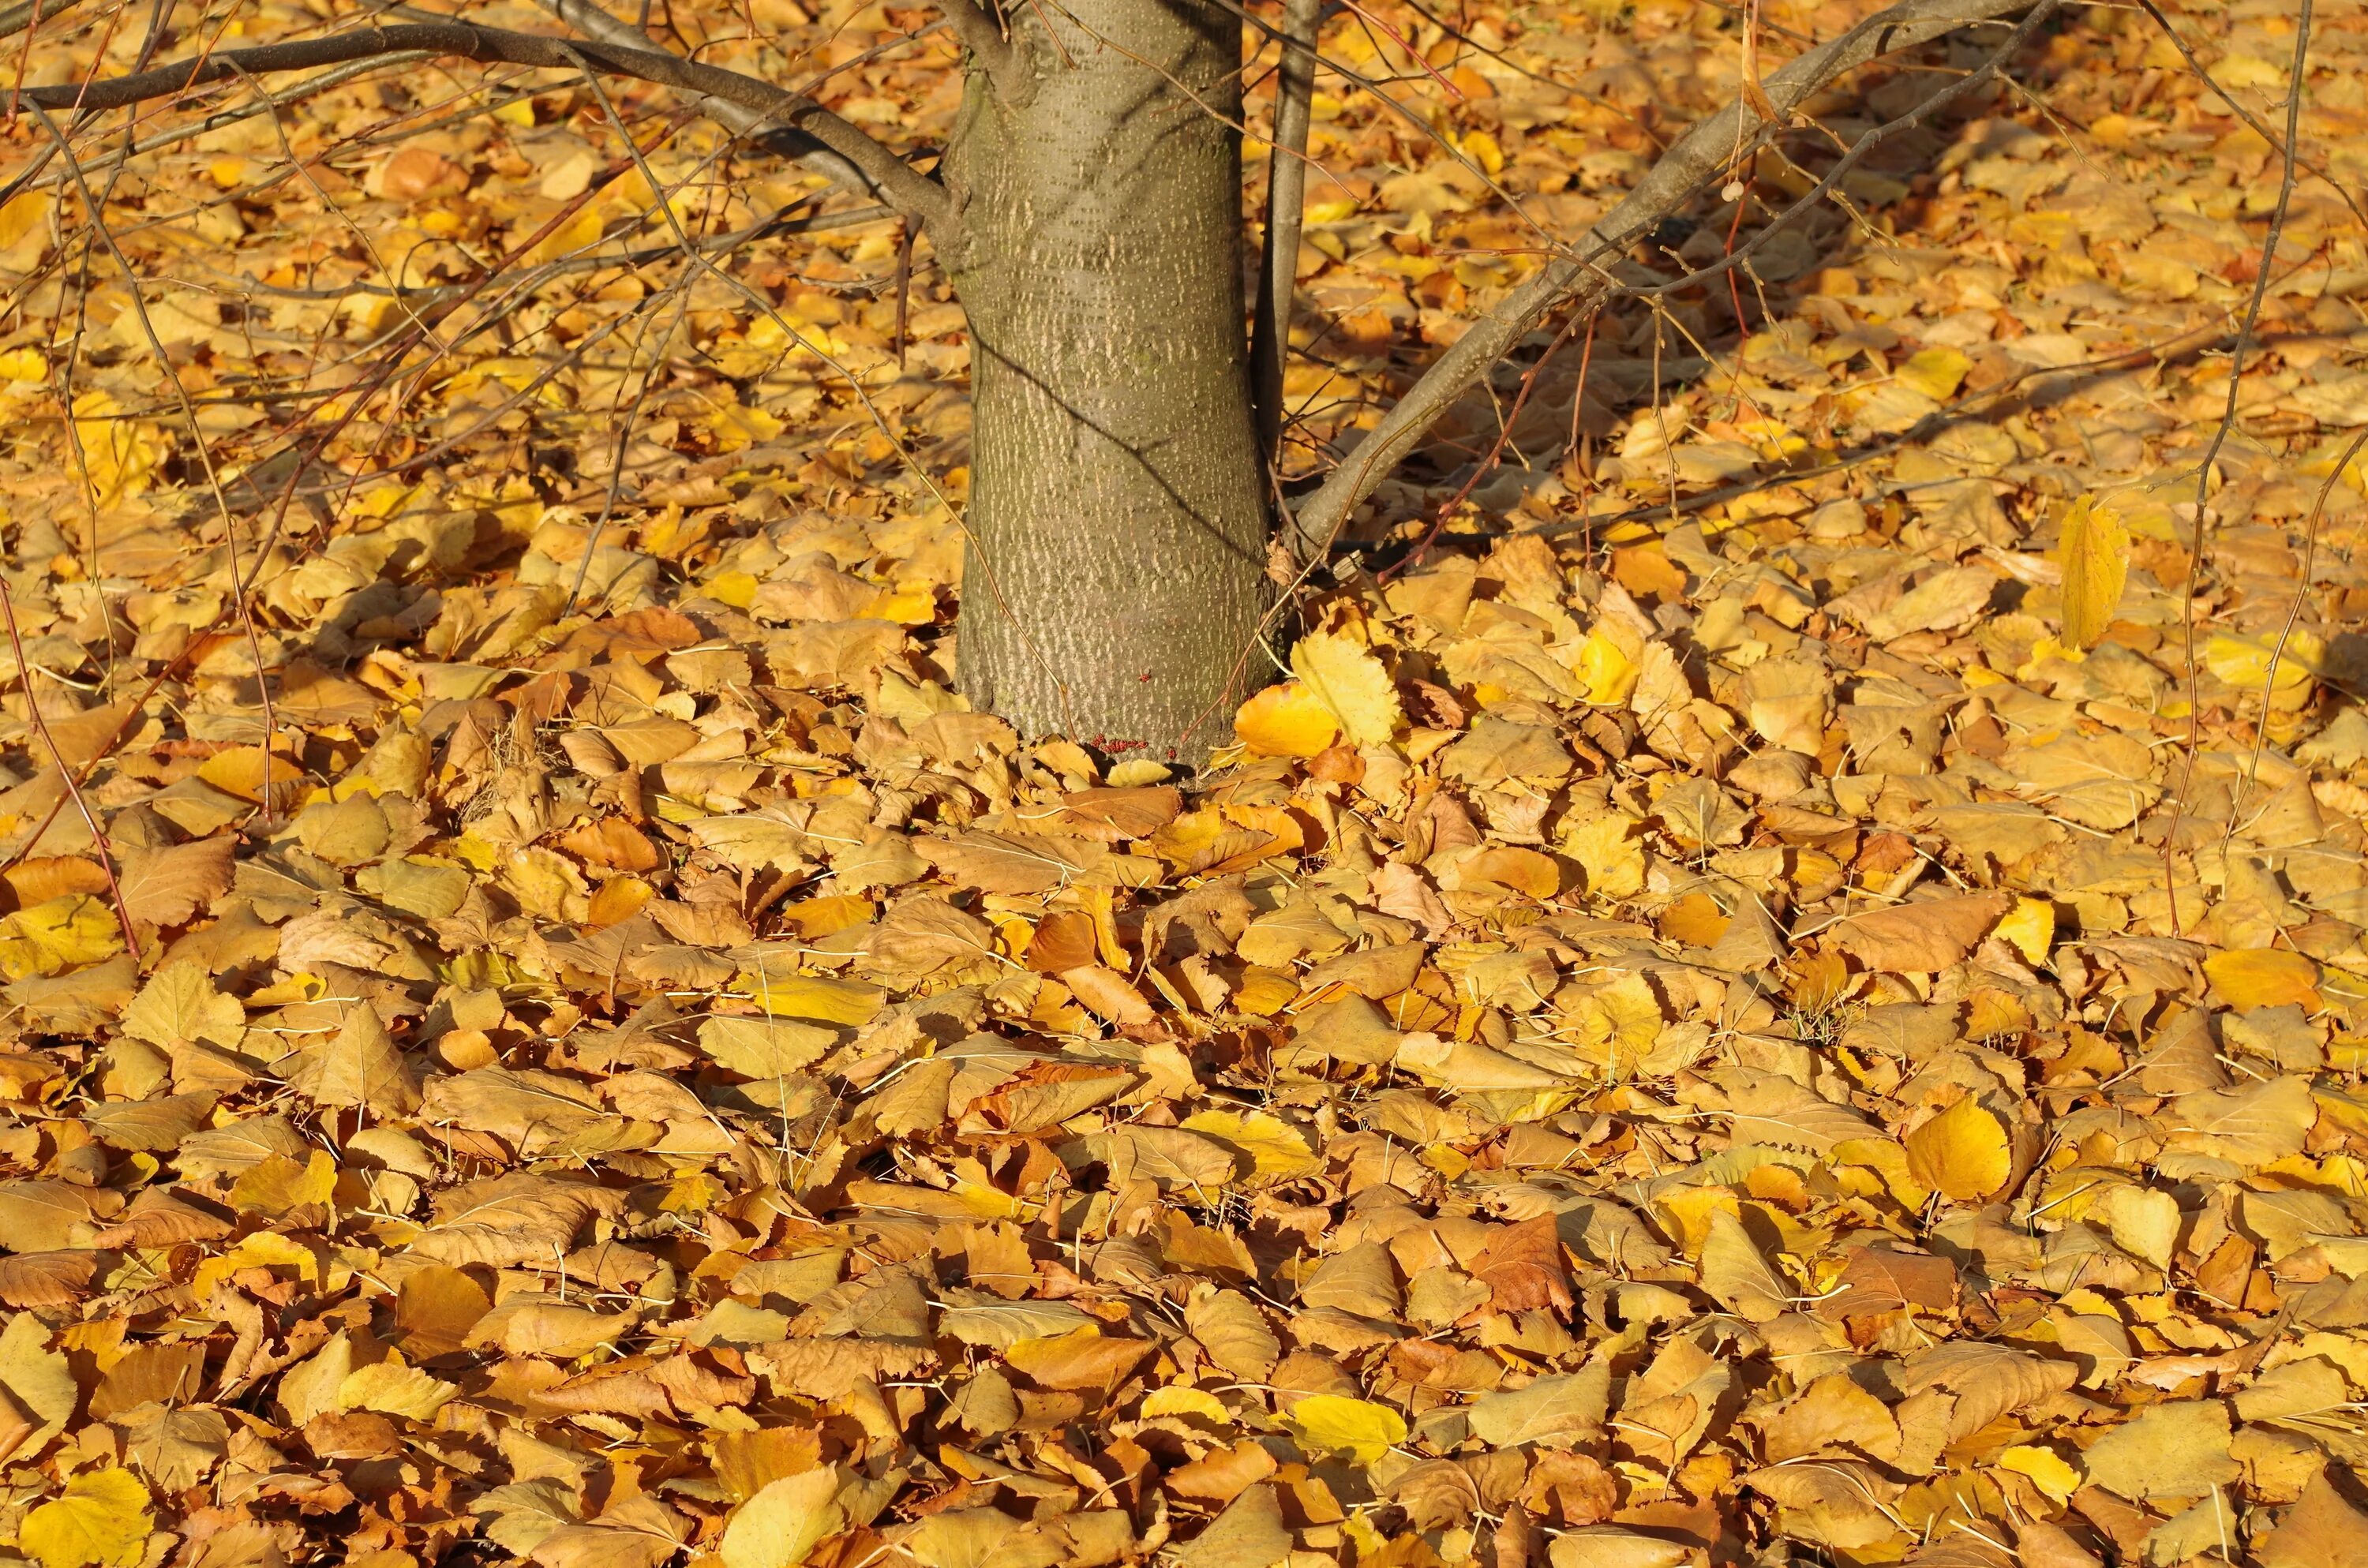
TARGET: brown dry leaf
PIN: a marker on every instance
(359, 1065)
(1923, 937)
(1738, 1274)
(2322, 1526)
(657, 1070)
(2177, 1449)
(1522, 1266)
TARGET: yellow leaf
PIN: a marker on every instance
(814, 996)
(1175, 1399)
(2049, 1470)
(1889, 1161)
(61, 934)
(2246, 978)
(1935, 373)
(394, 1390)
(577, 233)
(2095, 552)
(28, 211)
(1278, 1148)
(1688, 1212)
(735, 428)
(276, 1184)
(2030, 926)
(122, 454)
(1335, 1423)
(1350, 682)
(102, 1519)
(1286, 720)
(1619, 1021)
(1607, 670)
(2244, 661)
(263, 1249)
(781, 1525)
(24, 365)
(1613, 861)
(239, 771)
(1962, 1154)
(1482, 149)
(916, 607)
(737, 589)
(1264, 992)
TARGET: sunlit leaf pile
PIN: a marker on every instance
(1791, 990)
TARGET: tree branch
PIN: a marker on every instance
(24, 14)
(1694, 162)
(1286, 202)
(798, 146)
(855, 157)
(984, 38)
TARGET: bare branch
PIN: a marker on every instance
(984, 38)
(1286, 200)
(596, 23)
(1693, 164)
(24, 14)
(865, 162)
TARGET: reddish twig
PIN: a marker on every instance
(1734, 288)
(1487, 465)
(1399, 38)
(1579, 393)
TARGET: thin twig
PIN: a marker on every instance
(1488, 464)
(2286, 630)
(2284, 149)
(65, 774)
(880, 171)
(2194, 740)
(1697, 163)
(197, 436)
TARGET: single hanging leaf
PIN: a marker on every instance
(2095, 552)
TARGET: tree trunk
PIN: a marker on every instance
(1115, 574)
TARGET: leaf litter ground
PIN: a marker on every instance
(1713, 1017)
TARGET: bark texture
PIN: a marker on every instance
(1115, 573)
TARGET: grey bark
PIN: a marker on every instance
(1115, 577)
(1090, 217)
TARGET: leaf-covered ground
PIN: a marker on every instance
(1767, 1000)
